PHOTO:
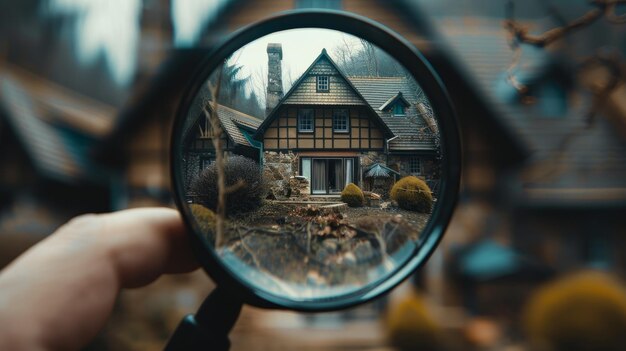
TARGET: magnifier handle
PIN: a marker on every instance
(209, 328)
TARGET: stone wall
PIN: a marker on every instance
(371, 157)
(300, 187)
(281, 173)
(429, 166)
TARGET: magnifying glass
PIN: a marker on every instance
(316, 163)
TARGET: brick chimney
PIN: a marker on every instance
(274, 76)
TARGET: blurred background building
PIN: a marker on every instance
(88, 90)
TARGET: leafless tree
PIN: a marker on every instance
(359, 57)
(259, 83)
(344, 53)
(210, 110)
(287, 78)
(370, 57)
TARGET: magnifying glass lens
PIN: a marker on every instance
(310, 163)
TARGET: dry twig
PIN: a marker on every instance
(216, 139)
(519, 34)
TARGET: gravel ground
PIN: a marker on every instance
(306, 244)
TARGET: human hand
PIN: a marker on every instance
(59, 293)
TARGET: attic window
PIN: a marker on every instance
(323, 83)
(398, 110)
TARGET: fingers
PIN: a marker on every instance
(60, 292)
(145, 243)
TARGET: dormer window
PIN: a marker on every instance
(323, 83)
(398, 110)
(396, 105)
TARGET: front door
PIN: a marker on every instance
(328, 175)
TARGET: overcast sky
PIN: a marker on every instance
(300, 48)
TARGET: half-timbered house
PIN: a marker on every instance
(336, 127)
(339, 126)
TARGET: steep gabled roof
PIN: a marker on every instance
(412, 130)
(322, 56)
(232, 121)
(244, 120)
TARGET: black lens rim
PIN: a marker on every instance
(432, 86)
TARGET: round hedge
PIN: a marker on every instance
(352, 195)
(242, 175)
(409, 326)
(585, 311)
(413, 194)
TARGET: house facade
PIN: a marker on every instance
(339, 127)
(333, 130)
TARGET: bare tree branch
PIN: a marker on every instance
(216, 139)
(520, 32)
(519, 35)
(605, 8)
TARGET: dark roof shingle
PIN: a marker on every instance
(412, 131)
(231, 119)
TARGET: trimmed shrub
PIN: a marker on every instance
(352, 195)
(242, 175)
(409, 326)
(413, 194)
(585, 311)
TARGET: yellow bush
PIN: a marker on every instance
(352, 195)
(410, 326)
(586, 311)
(205, 218)
(413, 194)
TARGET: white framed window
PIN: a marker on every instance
(415, 165)
(340, 120)
(305, 120)
(323, 83)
